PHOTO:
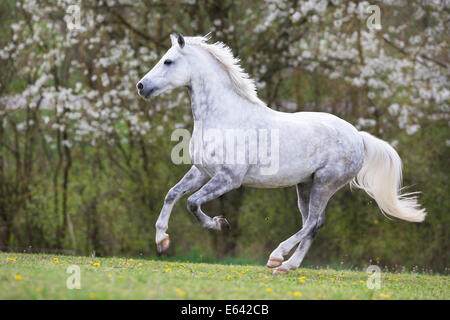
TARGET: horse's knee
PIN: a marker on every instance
(171, 196)
(174, 193)
(192, 205)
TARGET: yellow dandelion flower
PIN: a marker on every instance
(139, 264)
(302, 278)
(180, 292)
(297, 294)
(187, 271)
(12, 259)
(17, 277)
(90, 261)
(92, 295)
(109, 275)
(302, 281)
(168, 269)
(201, 272)
(289, 292)
(96, 264)
(361, 281)
(131, 260)
(228, 277)
(269, 290)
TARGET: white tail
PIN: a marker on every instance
(381, 178)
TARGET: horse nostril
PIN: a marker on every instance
(140, 86)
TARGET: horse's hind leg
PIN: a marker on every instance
(303, 191)
(319, 198)
(326, 182)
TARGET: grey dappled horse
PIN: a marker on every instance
(317, 152)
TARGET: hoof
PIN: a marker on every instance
(273, 263)
(221, 223)
(280, 270)
(163, 245)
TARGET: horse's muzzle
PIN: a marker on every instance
(145, 90)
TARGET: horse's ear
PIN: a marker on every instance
(180, 40)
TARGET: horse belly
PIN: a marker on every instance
(293, 166)
(280, 180)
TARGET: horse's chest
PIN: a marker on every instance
(203, 152)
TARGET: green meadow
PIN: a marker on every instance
(43, 276)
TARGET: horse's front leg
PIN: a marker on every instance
(221, 183)
(191, 181)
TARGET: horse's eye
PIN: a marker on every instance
(168, 61)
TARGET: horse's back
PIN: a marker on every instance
(320, 118)
(309, 141)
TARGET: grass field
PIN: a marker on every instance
(41, 276)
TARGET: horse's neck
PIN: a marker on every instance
(209, 99)
(213, 97)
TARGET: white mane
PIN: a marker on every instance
(242, 82)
